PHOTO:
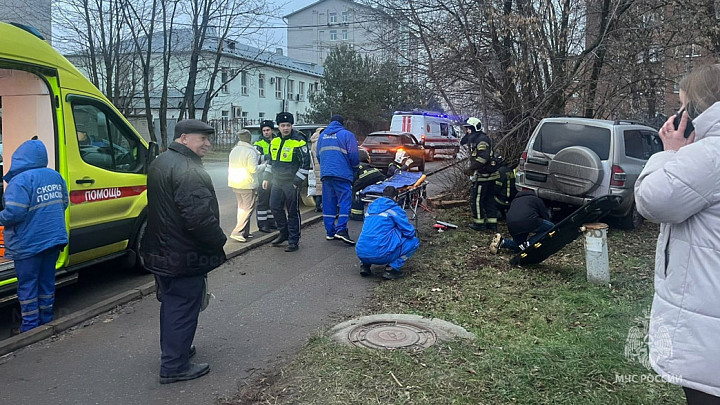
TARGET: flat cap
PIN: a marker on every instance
(285, 117)
(192, 127)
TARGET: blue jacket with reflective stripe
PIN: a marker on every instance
(337, 151)
(386, 226)
(34, 204)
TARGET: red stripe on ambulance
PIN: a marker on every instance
(103, 194)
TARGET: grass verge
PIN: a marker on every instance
(544, 335)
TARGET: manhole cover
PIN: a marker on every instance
(392, 335)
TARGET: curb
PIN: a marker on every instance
(66, 322)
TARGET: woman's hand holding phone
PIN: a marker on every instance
(675, 134)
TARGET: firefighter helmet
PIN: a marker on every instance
(474, 123)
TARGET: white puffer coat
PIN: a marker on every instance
(681, 191)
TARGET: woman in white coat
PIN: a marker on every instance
(680, 189)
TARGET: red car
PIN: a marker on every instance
(383, 145)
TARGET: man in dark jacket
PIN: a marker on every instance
(527, 214)
(337, 152)
(265, 218)
(287, 170)
(505, 190)
(35, 231)
(183, 242)
(364, 176)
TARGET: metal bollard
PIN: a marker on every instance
(596, 253)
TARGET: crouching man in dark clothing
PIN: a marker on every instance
(387, 237)
(365, 175)
(183, 242)
(527, 215)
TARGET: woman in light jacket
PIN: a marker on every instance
(314, 182)
(680, 189)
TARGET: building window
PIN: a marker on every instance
(278, 88)
(290, 89)
(244, 116)
(261, 116)
(225, 113)
(224, 74)
(345, 16)
(243, 83)
(332, 18)
(261, 85)
(333, 35)
(301, 91)
(344, 35)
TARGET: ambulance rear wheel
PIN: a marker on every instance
(133, 258)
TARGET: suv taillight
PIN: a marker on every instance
(523, 159)
(618, 176)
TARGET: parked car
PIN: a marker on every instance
(569, 161)
(435, 131)
(383, 145)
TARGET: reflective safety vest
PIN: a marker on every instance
(289, 159)
(262, 145)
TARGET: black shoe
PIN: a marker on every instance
(195, 371)
(291, 247)
(365, 270)
(192, 351)
(491, 227)
(345, 237)
(477, 227)
(265, 229)
(279, 240)
(392, 274)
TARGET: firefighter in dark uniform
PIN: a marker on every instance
(484, 173)
(265, 218)
(505, 189)
(364, 176)
(287, 170)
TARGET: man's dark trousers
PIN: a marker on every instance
(181, 299)
(283, 196)
(264, 215)
(482, 202)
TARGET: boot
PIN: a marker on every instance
(194, 371)
(280, 239)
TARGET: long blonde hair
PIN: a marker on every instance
(702, 89)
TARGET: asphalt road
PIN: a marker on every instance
(108, 279)
(267, 303)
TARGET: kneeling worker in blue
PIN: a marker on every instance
(387, 236)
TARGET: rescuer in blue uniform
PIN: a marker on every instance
(287, 170)
(387, 236)
(337, 151)
(34, 219)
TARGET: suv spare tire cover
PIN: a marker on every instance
(576, 170)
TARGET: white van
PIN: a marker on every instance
(435, 131)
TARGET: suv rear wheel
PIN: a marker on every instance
(632, 220)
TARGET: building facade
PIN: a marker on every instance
(315, 30)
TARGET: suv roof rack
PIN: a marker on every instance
(631, 122)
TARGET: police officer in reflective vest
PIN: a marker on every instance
(287, 170)
(364, 176)
(265, 218)
(484, 173)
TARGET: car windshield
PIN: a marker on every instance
(555, 136)
(382, 140)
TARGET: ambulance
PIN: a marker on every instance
(102, 158)
(435, 132)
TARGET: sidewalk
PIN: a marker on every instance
(267, 303)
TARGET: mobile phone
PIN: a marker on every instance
(689, 128)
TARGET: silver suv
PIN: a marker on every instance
(569, 161)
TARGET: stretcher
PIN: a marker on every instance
(412, 191)
(567, 230)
